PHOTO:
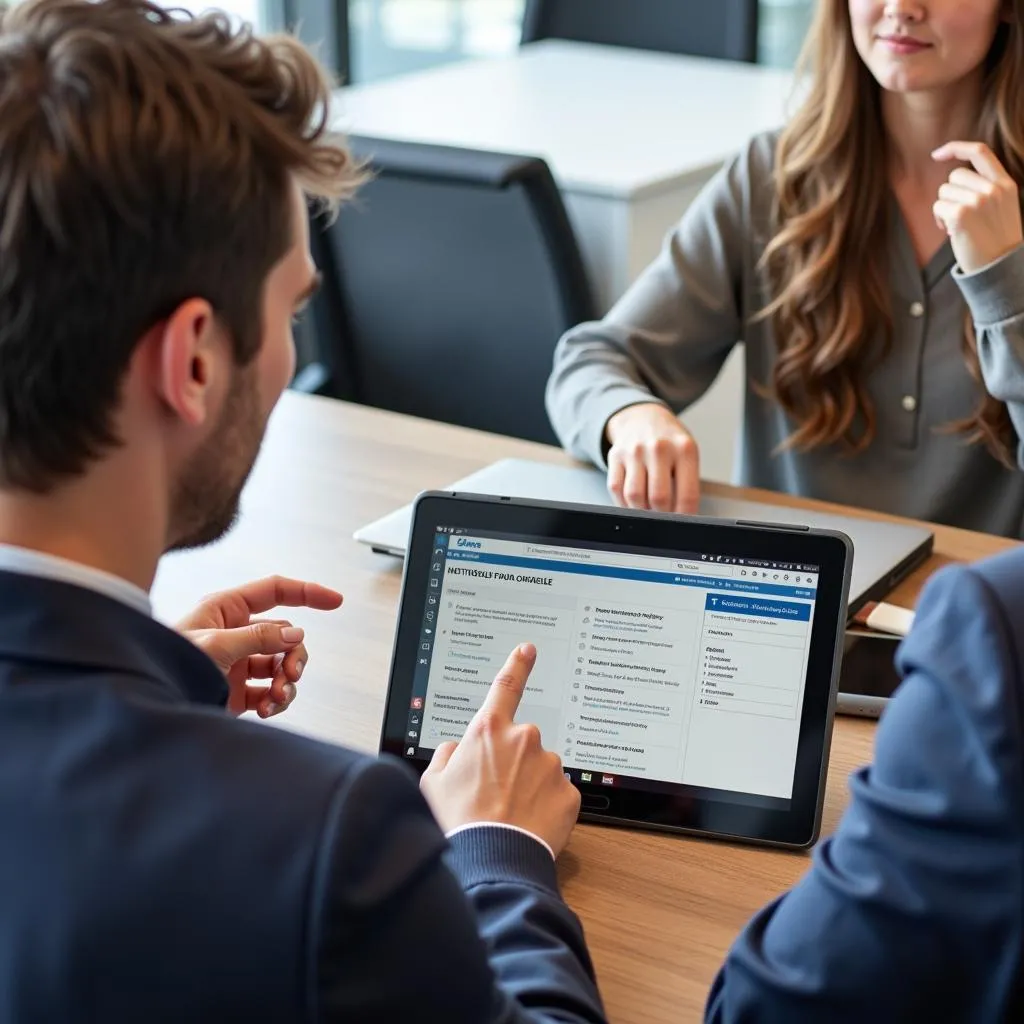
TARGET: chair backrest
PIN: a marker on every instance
(447, 284)
(701, 28)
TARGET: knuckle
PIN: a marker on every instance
(663, 447)
(442, 753)
(529, 735)
(507, 680)
(661, 497)
(635, 496)
(485, 723)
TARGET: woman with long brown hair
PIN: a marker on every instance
(870, 258)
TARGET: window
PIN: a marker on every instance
(393, 37)
(390, 37)
(254, 12)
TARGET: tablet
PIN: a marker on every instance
(686, 668)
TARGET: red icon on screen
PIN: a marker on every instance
(417, 703)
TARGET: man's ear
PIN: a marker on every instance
(190, 351)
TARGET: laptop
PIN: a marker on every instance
(884, 553)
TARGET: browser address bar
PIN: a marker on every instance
(570, 554)
(590, 556)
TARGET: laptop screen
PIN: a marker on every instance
(648, 666)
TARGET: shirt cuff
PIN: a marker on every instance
(993, 292)
(500, 824)
(602, 408)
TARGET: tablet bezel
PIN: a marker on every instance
(685, 809)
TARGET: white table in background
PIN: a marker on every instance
(630, 137)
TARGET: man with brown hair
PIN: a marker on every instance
(160, 860)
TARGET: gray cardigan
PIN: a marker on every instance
(669, 335)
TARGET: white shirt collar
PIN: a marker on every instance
(51, 567)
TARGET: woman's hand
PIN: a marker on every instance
(978, 207)
(244, 648)
(653, 462)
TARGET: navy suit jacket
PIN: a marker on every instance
(914, 910)
(161, 861)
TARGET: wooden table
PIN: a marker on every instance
(659, 911)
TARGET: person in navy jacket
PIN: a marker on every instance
(161, 861)
(914, 909)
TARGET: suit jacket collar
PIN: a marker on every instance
(57, 623)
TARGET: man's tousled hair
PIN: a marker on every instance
(145, 159)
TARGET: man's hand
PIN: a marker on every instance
(499, 772)
(244, 648)
(978, 207)
(653, 462)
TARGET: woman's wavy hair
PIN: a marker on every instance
(825, 268)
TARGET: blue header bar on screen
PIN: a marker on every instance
(623, 573)
(726, 604)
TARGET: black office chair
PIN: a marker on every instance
(447, 283)
(701, 28)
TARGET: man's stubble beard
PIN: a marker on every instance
(205, 504)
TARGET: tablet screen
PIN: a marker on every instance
(653, 669)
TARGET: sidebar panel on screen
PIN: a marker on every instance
(425, 644)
